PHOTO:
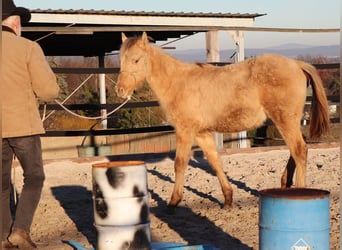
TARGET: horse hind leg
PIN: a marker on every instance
(287, 177)
(298, 150)
(206, 141)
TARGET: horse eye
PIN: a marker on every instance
(136, 61)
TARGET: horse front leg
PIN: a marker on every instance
(207, 143)
(183, 148)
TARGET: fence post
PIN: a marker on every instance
(102, 89)
(213, 55)
(238, 37)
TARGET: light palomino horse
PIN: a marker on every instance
(200, 98)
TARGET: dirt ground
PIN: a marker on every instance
(66, 213)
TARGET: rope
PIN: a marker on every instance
(91, 118)
(78, 115)
(44, 112)
(136, 99)
(69, 96)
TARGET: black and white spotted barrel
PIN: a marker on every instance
(132, 237)
(121, 210)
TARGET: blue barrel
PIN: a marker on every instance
(294, 219)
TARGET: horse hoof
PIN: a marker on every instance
(287, 185)
(227, 205)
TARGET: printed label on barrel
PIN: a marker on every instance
(301, 245)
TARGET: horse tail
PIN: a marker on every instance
(319, 118)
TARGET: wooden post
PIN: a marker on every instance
(212, 46)
(238, 37)
(213, 55)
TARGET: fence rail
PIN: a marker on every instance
(101, 132)
(117, 70)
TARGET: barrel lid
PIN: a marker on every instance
(295, 193)
(114, 164)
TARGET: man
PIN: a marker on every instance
(25, 77)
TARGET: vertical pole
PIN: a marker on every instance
(340, 137)
(240, 47)
(238, 37)
(213, 55)
(102, 89)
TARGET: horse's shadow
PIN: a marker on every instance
(192, 220)
(77, 203)
(188, 229)
(200, 162)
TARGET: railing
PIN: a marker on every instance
(101, 132)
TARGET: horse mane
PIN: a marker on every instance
(130, 42)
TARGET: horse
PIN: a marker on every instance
(200, 99)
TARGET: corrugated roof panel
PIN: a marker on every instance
(145, 13)
(98, 32)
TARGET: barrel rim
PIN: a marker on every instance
(124, 198)
(113, 164)
(120, 227)
(295, 193)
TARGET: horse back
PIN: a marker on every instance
(278, 79)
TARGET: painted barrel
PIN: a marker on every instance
(294, 219)
(120, 200)
(121, 211)
(124, 237)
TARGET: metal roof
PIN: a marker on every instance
(145, 13)
(97, 32)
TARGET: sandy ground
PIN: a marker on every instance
(66, 213)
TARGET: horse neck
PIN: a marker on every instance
(161, 67)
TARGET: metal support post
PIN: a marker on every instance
(102, 90)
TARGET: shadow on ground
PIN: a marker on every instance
(80, 209)
(184, 220)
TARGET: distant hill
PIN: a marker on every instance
(290, 50)
(291, 46)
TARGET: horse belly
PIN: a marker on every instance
(239, 120)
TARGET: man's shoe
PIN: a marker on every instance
(5, 244)
(21, 239)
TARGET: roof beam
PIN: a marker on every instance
(91, 29)
(139, 20)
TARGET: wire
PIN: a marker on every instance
(176, 40)
(52, 33)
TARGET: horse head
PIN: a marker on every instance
(133, 65)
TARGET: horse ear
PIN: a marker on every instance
(123, 37)
(144, 38)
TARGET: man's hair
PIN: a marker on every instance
(9, 21)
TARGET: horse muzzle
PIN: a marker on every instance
(121, 92)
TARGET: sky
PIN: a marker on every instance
(280, 14)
